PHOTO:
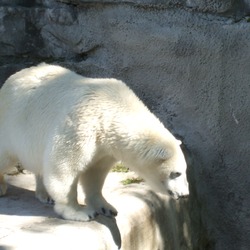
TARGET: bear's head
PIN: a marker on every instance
(175, 167)
(162, 164)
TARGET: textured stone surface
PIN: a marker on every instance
(192, 70)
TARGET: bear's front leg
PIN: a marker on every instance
(92, 181)
(62, 187)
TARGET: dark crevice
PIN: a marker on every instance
(83, 56)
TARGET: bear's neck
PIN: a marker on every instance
(126, 137)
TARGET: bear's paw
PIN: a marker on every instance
(101, 206)
(76, 213)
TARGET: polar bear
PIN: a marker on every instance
(68, 129)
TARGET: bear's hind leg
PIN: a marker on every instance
(41, 192)
(6, 163)
(92, 181)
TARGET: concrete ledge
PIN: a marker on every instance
(145, 221)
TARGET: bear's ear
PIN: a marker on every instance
(179, 142)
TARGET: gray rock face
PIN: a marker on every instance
(191, 68)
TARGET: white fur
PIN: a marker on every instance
(66, 129)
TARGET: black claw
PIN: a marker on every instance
(50, 201)
(113, 213)
(103, 210)
(90, 217)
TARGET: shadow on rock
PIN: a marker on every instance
(111, 225)
(22, 202)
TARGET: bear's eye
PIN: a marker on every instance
(174, 175)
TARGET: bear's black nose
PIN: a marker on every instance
(170, 192)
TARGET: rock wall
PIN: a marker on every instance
(190, 63)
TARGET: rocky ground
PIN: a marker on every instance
(25, 223)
